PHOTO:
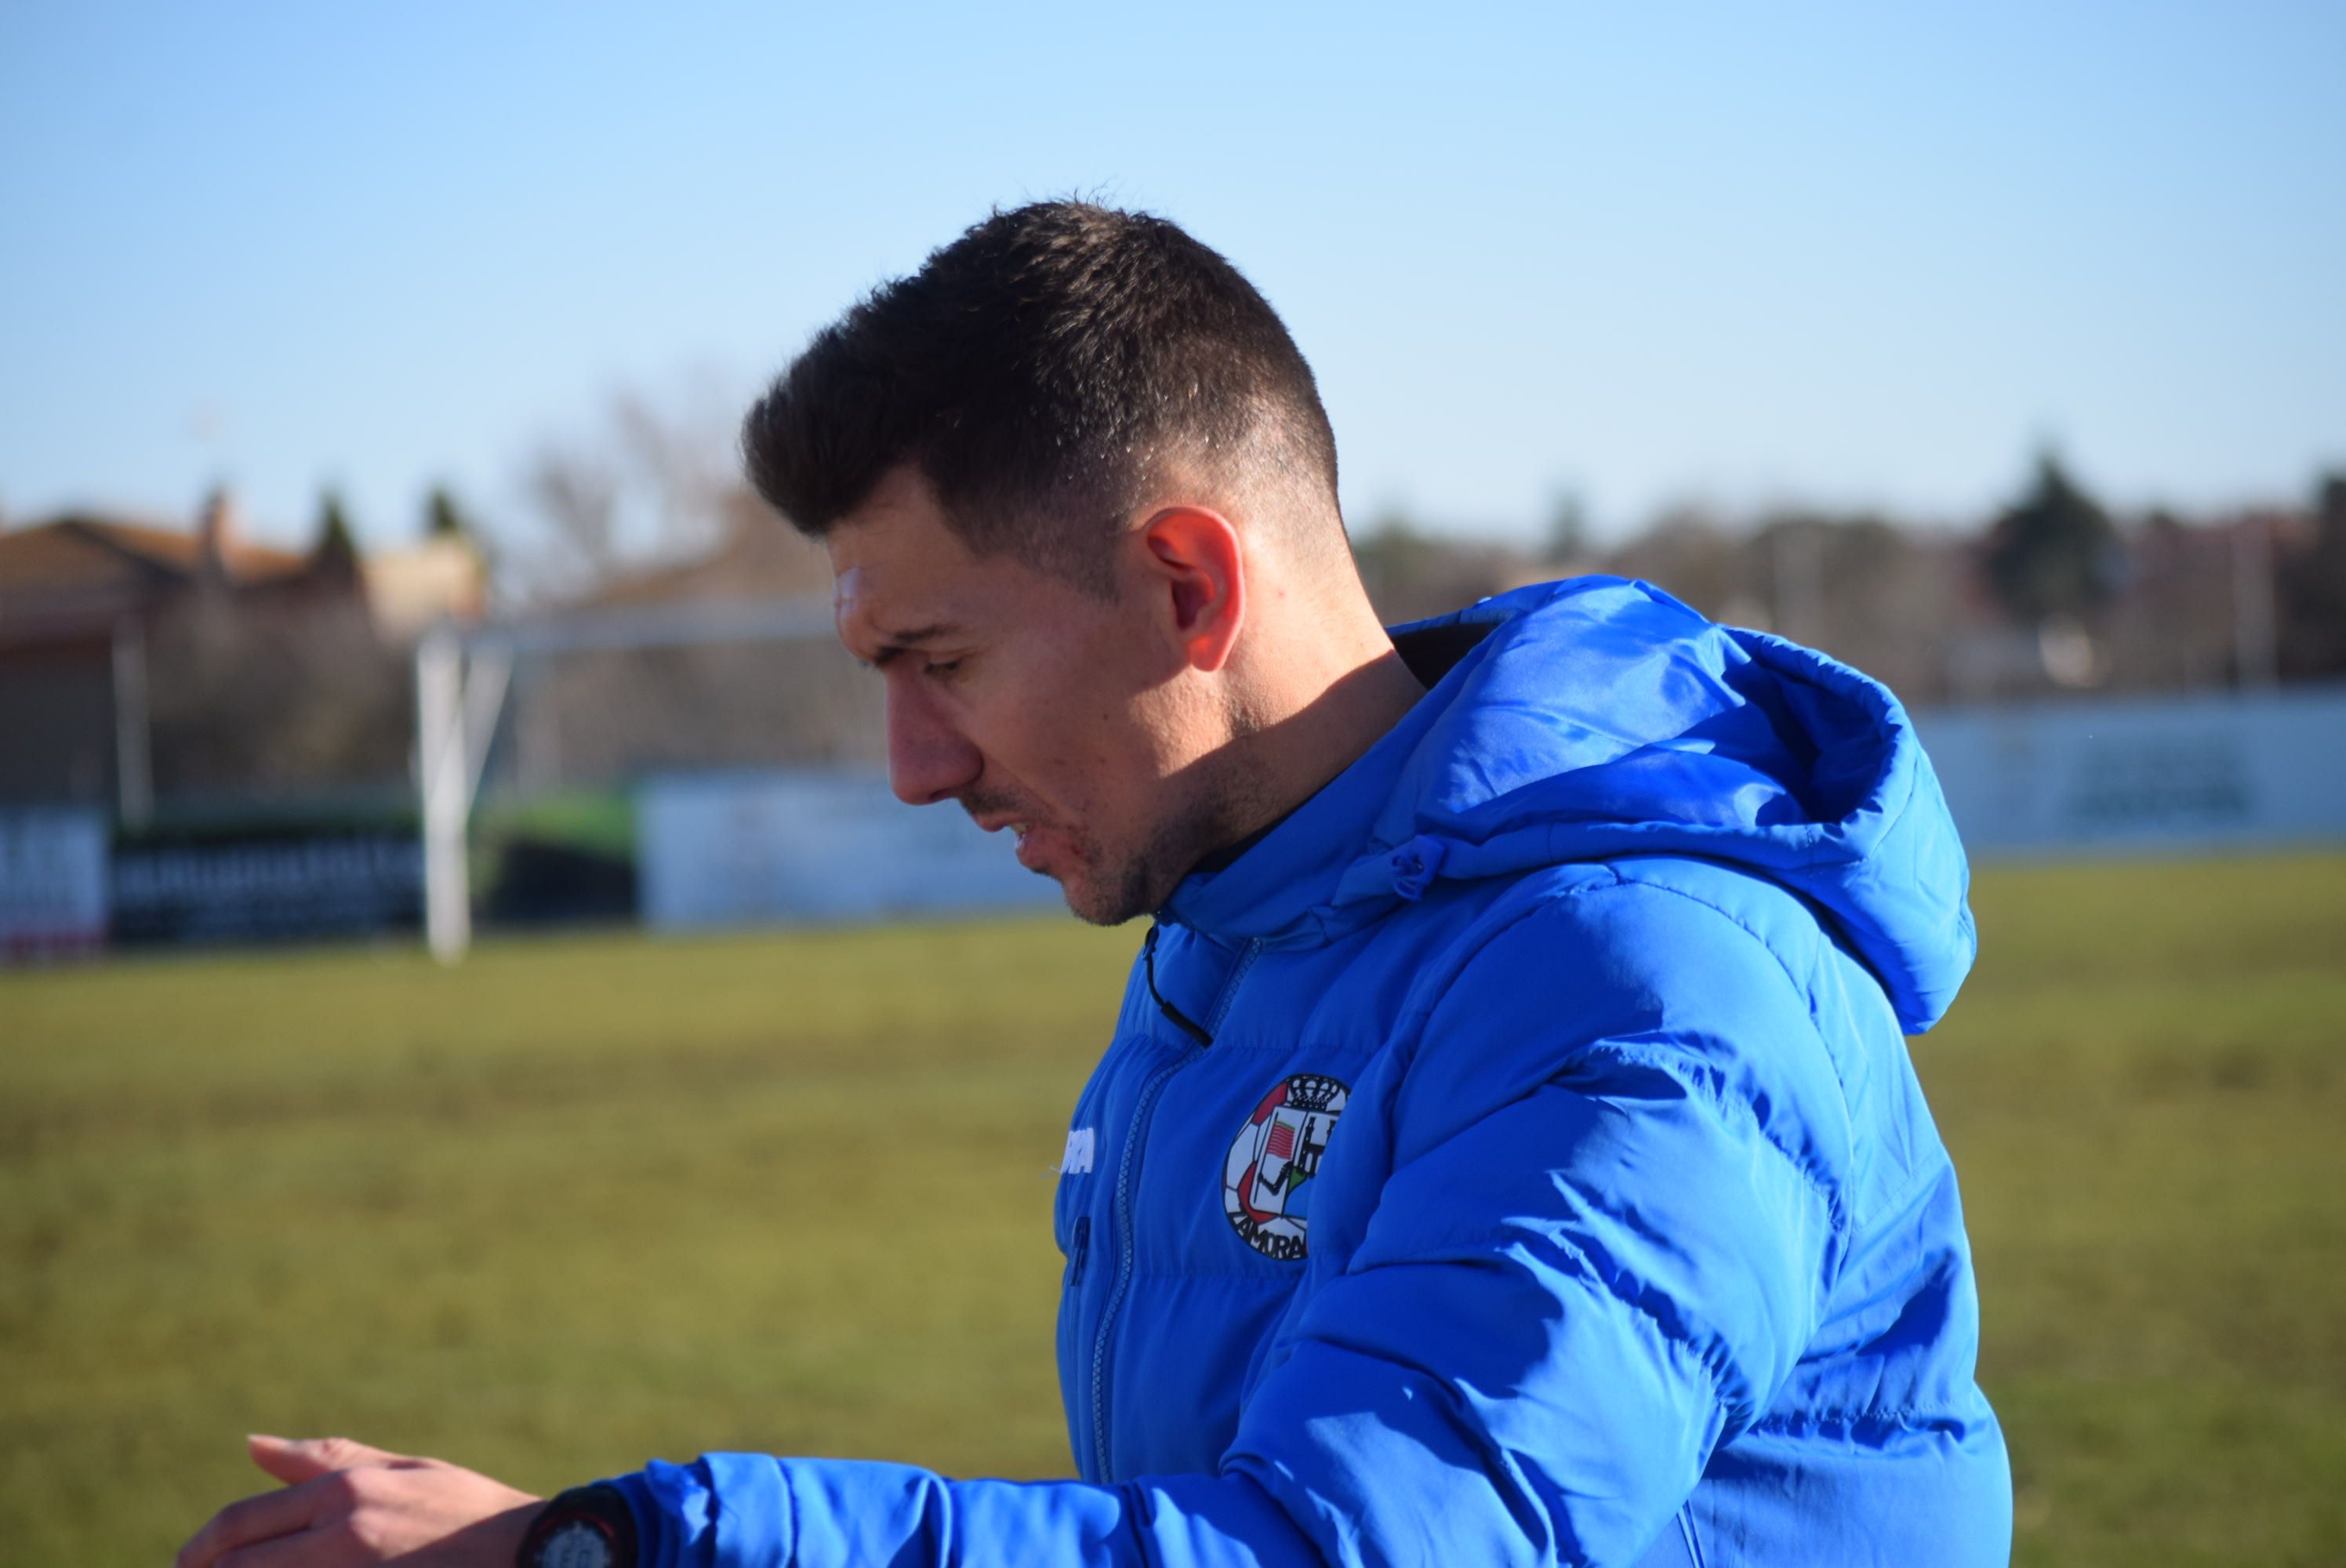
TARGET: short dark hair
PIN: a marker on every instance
(1041, 372)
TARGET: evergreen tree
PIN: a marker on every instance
(335, 549)
(2054, 553)
(442, 518)
(1568, 528)
(2313, 591)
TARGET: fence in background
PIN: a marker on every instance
(693, 849)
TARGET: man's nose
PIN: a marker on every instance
(929, 758)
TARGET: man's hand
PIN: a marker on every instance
(345, 1504)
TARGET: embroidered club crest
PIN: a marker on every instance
(1274, 1155)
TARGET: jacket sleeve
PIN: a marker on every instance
(1610, 1227)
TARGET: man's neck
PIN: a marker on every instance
(1291, 758)
(1351, 716)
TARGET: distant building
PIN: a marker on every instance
(79, 575)
(407, 590)
(103, 617)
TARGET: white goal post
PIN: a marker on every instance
(462, 676)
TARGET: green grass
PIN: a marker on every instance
(2143, 1087)
(571, 1206)
(583, 1202)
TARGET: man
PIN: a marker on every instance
(1507, 1151)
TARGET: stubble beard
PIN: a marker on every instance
(1137, 887)
(1225, 811)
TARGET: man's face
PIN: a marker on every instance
(1038, 707)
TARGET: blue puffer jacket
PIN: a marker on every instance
(1513, 1158)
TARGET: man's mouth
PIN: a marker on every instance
(1028, 842)
(1027, 850)
(1019, 827)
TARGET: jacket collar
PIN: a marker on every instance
(1287, 886)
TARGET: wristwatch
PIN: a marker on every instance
(586, 1527)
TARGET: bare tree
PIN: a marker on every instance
(652, 482)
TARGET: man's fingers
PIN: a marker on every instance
(313, 1548)
(262, 1518)
(292, 1459)
(310, 1468)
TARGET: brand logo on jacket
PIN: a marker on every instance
(1272, 1159)
(1077, 1159)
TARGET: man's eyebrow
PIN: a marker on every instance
(895, 643)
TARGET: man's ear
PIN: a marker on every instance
(1197, 576)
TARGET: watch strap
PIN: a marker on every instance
(585, 1527)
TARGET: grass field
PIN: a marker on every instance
(583, 1202)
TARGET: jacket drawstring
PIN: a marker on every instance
(1181, 1020)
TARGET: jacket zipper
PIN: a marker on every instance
(1126, 1167)
(1127, 1172)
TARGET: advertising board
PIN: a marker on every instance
(53, 883)
(2146, 775)
(754, 848)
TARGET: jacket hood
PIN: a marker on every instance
(1598, 718)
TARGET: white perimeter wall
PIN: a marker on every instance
(751, 848)
(53, 880)
(2148, 777)
(2144, 776)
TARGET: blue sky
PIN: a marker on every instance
(1855, 254)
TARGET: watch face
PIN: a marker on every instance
(579, 1544)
